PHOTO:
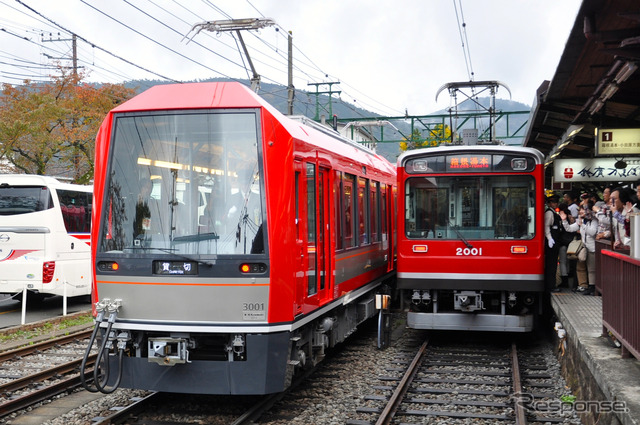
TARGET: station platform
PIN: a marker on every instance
(607, 384)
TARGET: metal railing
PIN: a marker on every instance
(618, 278)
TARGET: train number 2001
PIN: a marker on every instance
(468, 251)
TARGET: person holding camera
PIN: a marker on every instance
(587, 225)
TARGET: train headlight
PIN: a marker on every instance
(420, 248)
(518, 249)
(519, 164)
(252, 268)
(108, 266)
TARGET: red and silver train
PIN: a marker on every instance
(471, 238)
(231, 245)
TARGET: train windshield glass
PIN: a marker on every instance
(184, 183)
(470, 207)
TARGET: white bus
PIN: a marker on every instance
(45, 229)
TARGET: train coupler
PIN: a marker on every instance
(168, 351)
(468, 301)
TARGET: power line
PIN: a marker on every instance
(96, 46)
(462, 30)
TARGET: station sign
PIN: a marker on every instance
(595, 170)
(618, 141)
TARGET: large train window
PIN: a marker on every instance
(186, 183)
(478, 207)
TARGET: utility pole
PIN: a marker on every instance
(291, 90)
(237, 25)
(328, 107)
(74, 50)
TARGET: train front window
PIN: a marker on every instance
(184, 183)
(471, 207)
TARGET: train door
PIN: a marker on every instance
(323, 246)
(301, 260)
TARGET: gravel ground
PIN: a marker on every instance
(329, 397)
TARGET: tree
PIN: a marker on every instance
(436, 135)
(50, 128)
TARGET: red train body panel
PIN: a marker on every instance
(231, 240)
(470, 237)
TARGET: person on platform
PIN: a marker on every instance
(552, 231)
(564, 241)
(587, 225)
(571, 199)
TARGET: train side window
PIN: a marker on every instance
(349, 210)
(363, 211)
(297, 201)
(374, 190)
(338, 190)
(383, 212)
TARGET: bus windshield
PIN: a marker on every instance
(184, 183)
(16, 200)
(470, 207)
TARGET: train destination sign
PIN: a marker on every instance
(472, 162)
(618, 141)
(595, 169)
(175, 267)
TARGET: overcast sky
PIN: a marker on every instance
(387, 55)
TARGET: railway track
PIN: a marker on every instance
(33, 373)
(458, 383)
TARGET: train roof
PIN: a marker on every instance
(230, 95)
(440, 150)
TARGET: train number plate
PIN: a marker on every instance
(468, 251)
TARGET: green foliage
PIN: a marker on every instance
(436, 135)
(46, 328)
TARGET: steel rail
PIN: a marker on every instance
(121, 415)
(396, 399)
(41, 394)
(28, 380)
(30, 349)
(521, 418)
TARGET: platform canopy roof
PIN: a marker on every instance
(596, 83)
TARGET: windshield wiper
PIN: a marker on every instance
(455, 229)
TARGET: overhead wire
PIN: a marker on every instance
(299, 65)
(96, 46)
(463, 39)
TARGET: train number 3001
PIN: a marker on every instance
(468, 251)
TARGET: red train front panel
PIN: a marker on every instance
(218, 240)
(471, 236)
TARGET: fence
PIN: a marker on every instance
(618, 278)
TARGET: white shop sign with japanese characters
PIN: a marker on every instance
(595, 170)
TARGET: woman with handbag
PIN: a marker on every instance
(587, 225)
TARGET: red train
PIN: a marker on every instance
(471, 238)
(232, 245)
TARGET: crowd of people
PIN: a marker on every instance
(576, 224)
